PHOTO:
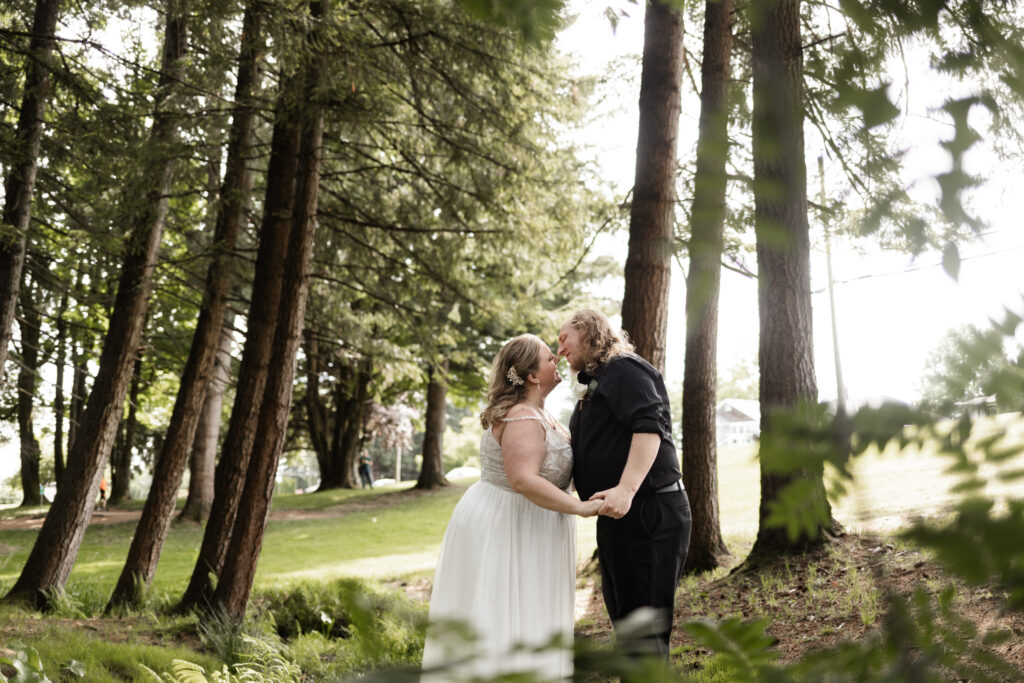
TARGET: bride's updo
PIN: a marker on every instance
(518, 358)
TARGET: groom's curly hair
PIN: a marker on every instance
(600, 341)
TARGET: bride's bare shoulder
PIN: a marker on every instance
(519, 410)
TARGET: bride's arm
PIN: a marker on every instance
(522, 449)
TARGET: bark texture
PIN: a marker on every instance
(651, 215)
(58, 394)
(235, 581)
(121, 457)
(432, 469)
(336, 426)
(28, 383)
(256, 358)
(700, 375)
(79, 392)
(57, 544)
(158, 511)
(21, 178)
(786, 350)
(204, 446)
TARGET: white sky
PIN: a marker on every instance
(891, 309)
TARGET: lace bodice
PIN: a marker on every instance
(556, 466)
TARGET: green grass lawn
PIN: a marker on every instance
(376, 534)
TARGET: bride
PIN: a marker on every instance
(507, 569)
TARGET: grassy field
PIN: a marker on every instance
(388, 538)
(391, 533)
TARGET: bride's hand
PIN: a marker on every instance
(589, 508)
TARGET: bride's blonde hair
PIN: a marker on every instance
(521, 354)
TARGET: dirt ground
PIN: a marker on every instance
(116, 516)
(817, 600)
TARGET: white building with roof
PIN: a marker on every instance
(737, 421)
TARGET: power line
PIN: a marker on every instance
(922, 266)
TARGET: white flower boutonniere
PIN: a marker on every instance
(583, 386)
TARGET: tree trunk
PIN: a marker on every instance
(651, 215)
(21, 178)
(121, 458)
(350, 438)
(27, 386)
(235, 581)
(256, 358)
(700, 375)
(56, 547)
(432, 470)
(316, 412)
(336, 436)
(58, 396)
(204, 447)
(170, 464)
(786, 352)
(80, 367)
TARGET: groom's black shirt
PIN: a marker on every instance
(630, 398)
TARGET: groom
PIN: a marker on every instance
(623, 454)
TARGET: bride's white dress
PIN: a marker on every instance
(507, 570)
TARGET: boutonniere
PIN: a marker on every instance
(584, 386)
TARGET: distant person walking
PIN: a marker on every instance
(365, 476)
(102, 505)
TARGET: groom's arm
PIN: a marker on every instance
(643, 450)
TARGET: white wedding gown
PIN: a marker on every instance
(507, 571)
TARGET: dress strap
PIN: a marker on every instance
(536, 418)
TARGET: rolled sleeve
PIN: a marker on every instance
(632, 397)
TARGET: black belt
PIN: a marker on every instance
(674, 486)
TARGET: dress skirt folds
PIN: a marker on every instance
(506, 575)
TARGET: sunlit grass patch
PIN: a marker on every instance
(108, 649)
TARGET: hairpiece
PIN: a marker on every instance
(513, 377)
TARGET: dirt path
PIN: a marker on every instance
(34, 522)
(114, 516)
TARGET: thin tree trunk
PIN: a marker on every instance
(235, 581)
(28, 383)
(121, 458)
(204, 447)
(229, 480)
(651, 216)
(56, 547)
(21, 178)
(78, 394)
(700, 375)
(786, 353)
(316, 411)
(58, 397)
(432, 470)
(158, 511)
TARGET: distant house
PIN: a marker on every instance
(737, 421)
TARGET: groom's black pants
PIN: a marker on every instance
(641, 557)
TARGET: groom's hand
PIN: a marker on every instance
(617, 501)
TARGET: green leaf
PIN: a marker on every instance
(742, 646)
(536, 20)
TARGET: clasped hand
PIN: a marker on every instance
(616, 501)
